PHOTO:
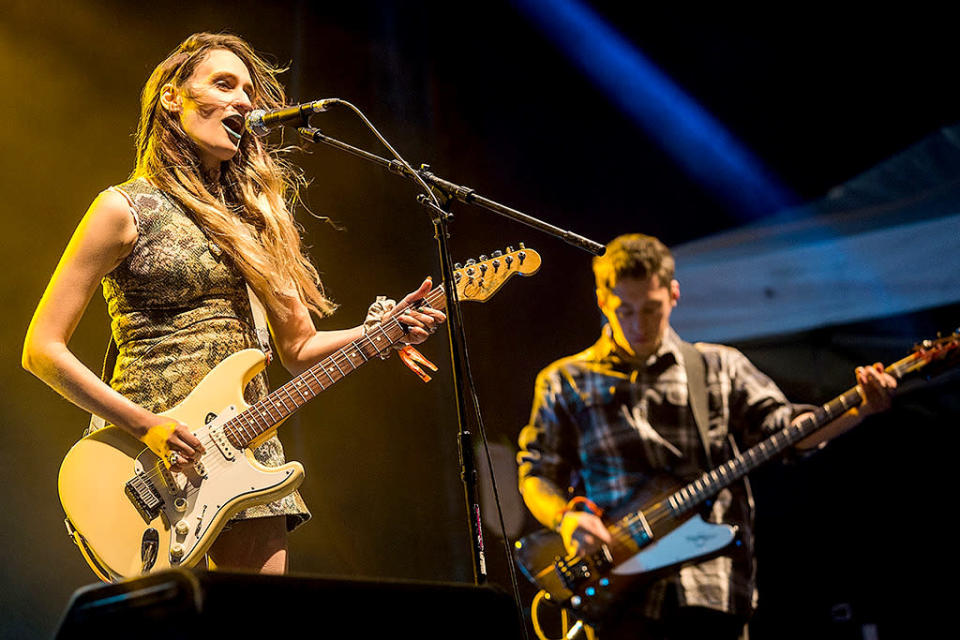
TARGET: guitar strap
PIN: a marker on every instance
(696, 369)
(260, 323)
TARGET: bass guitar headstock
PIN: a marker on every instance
(942, 352)
(479, 279)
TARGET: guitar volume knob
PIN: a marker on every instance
(182, 528)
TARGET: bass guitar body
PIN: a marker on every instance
(130, 514)
(594, 585)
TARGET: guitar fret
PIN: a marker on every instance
(379, 338)
(265, 408)
(373, 348)
(298, 385)
(349, 361)
(244, 429)
(263, 414)
(286, 391)
(292, 398)
(320, 384)
(230, 431)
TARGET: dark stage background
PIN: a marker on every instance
(478, 92)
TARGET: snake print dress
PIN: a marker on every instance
(178, 307)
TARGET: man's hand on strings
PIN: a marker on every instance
(876, 387)
(583, 533)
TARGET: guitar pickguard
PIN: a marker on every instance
(693, 539)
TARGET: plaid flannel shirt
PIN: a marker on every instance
(602, 427)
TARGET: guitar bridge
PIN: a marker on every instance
(144, 496)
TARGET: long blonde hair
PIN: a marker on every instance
(250, 216)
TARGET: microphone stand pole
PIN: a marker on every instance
(446, 191)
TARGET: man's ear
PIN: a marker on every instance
(674, 292)
(601, 297)
(170, 98)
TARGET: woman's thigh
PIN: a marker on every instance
(257, 544)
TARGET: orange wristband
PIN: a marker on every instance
(577, 503)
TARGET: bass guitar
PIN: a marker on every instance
(664, 529)
(130, 514)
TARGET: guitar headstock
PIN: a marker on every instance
(479, 279)
(943, 351)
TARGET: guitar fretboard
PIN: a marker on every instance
(277, 406)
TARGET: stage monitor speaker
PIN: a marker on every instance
(178, 604)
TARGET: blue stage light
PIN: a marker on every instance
(684, 129)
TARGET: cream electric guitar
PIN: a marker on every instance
(663, 528)
(130, 514)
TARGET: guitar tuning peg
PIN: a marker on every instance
(471, 261)
(521, 246)
(497, 254)
(509, 249)
(483, 258)
(458, 266)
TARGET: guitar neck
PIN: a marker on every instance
(711, 482)
(277, 406)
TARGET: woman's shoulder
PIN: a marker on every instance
(145, 201)
(137, 189)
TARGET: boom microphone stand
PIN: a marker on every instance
(436, 199)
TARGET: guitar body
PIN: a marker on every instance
(132, 515)
(596, 584)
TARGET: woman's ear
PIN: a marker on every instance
(170, 98)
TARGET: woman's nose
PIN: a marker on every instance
(242, 102)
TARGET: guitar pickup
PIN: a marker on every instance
(219, 439)
(145, 497)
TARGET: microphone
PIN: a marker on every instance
(259, 122)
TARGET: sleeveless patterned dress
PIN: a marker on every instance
(178, 307)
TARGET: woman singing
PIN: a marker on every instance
(206, 213)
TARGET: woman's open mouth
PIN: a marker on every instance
(234, 126)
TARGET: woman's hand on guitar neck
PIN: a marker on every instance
(173, 442)
(420, 322)
(583, 533)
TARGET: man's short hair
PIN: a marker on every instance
(633, 255)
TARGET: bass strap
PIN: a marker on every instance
(696, 369)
